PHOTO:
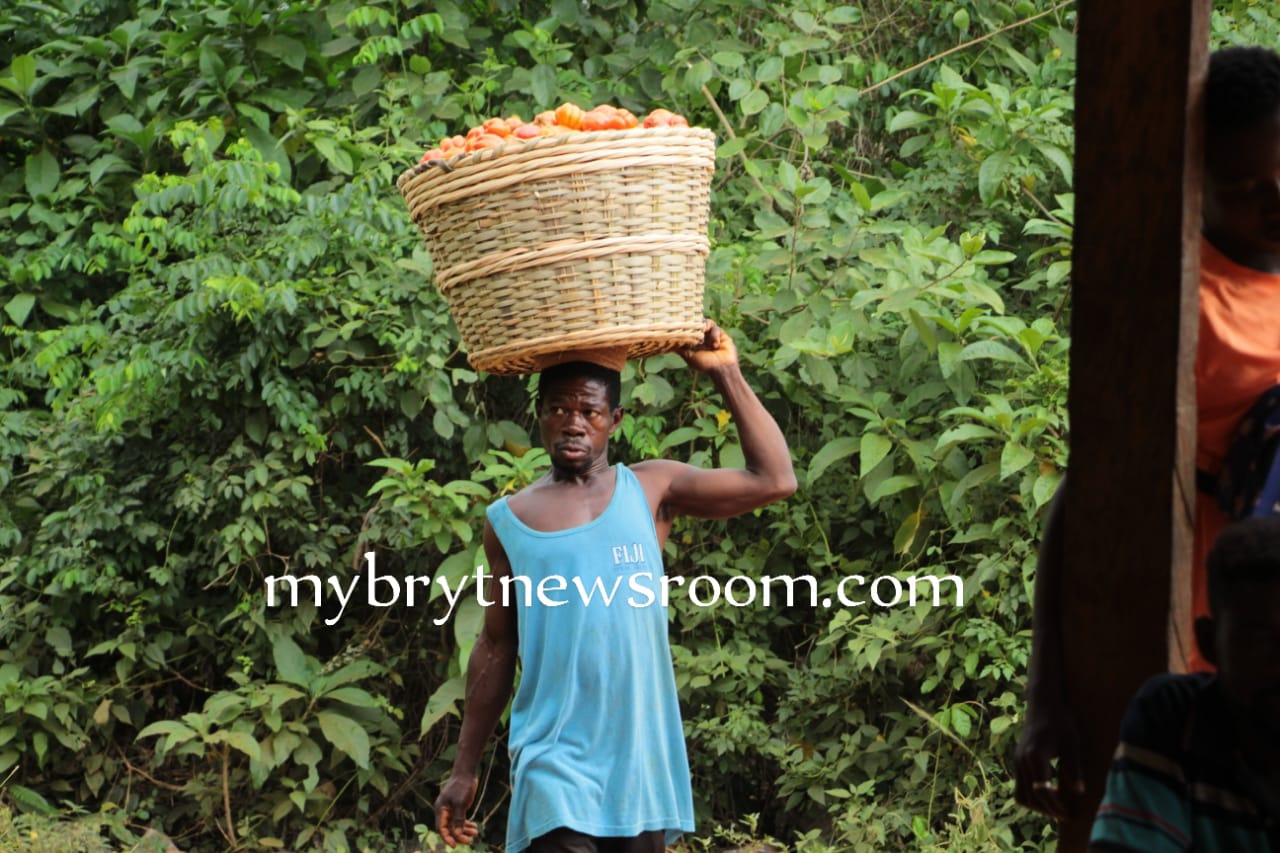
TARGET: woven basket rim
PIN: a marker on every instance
(647, 339)
(542, 143)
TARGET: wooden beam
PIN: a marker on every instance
(1141, 65)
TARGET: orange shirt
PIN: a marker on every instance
(1238, 356)
(1237, 359)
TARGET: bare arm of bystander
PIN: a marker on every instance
(1049, 731)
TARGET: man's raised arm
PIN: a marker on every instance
(725, 492)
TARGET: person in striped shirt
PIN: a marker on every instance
(1198, 765)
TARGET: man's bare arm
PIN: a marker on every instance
(1048, 730)
(725, 492)
(490, 675)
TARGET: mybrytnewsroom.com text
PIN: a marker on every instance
(634, 589)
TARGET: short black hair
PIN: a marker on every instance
(610, 379)
(1243, 88)
(1246, 551)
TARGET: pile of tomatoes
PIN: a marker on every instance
(566, 118)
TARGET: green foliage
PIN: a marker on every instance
(221, 362)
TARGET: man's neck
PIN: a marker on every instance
(581, 477)
(1254, 259)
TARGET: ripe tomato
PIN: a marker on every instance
(595, 119)
(496, 126)
(453, 145)
(657, 118)
(484, 140)
(570, 116)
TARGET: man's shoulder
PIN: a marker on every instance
(520, 496)
(1160, 712)
(654, 472)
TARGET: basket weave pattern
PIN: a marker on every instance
(589, 241)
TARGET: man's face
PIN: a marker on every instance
(576, 423)
(1246, 633)
(1242, 191)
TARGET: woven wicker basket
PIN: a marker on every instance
(565, 244)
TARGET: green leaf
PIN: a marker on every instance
(948, 357)
(905, 536)
(8, 109)
(1057, 157)
(177, 732)
(291, 662)
(892, 485)
(872, 449)
(42, 173)
(755, 101)
(240, 741)
(860, 194)
(23, 71)
(833, 451)
(993, 350)
(346, 735)
(905, 120)
(990, 256)
(543, 84)
(888, 198)
(335, 156)
(443, 701)
(40, 746)
(990, 175)
(677, 437)
(961, 721)
(731, 456)
(924, 329)
(1014, 458)
(19, 309)
(59, 639)
(353, 696)
(789, 177)
(971, 480)
(727, 59)
(308, 752)
(731, 148)
(126, 79)
(290, 51)
(29, 801)
(1045, 487)
(962, 433)
(442, 425)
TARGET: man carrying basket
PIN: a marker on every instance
(598, 760)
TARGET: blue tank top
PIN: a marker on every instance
(596, 740)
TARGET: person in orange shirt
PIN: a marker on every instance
(1237, 361)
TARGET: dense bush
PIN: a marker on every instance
(222, 361)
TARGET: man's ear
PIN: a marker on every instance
(617, 419)
(1205, 639)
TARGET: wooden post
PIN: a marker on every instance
(1141, 65)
